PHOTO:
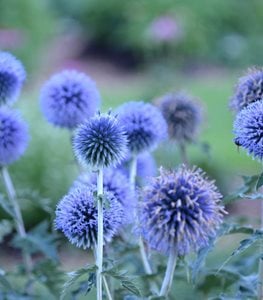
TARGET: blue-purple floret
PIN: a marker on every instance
(144, 124)
(77, 217)
(12, 77)
(115, 182)
(183, 115)
(100, 141)
(69, 98)
(249, 89)
(181, 210)
(248, 129)
(13, 136)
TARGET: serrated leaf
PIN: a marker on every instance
(74, 276)
(6, 227)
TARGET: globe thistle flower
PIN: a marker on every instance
(13, 136)
(248, 129)
(249, 89)
(68, 98)
(12, 76)
(183, 116)
(100, 141)
(144, 124)
(181, 210)
(115, 182)
(77, 217)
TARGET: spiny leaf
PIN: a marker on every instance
(74, 276)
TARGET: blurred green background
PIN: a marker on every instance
(136, 49)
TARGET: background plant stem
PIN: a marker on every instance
(18, 216)
(100, 233)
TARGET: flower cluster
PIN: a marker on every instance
(248, 90)
(183, 115)
(115, 182)
(144, 125)
(100, 141)
(13, 136)
(77, 217)
(12, 76)
(68, 98)
(181, 210)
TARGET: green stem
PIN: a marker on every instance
(183, 155)
(168, 278)
(107, 288)
(100, 233)
(18, 216)
(260, 267)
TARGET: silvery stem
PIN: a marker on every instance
(107, 288)
(17, 213)
(100, 233)
(183, 155)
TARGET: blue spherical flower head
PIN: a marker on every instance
(12, 76)
(249, 89)
(248, 129)
(100, 141)
(183, 115)
(181, 210)
(13, 136)
(144, 124)
(77, 217)
(115, 182)
(68, 98)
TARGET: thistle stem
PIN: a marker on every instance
(260, 267)
(168, 278)
(18, 216)
(183, 155)
(100, 233)
(107, 288)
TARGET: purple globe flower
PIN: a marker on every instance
(115, 182)
(180, 210)
(12, 76)
(183, 115)
(68, 98)
(13, 136)
(249, 89)
(77, 217)
(248, 129)
(100, 141)
(144, 124)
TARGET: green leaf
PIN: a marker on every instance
(74, 276)
(6, 227)
(126, 281)
(6, 206)
(4, 282)
(259, 181)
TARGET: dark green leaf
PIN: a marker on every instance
(259, 181)
(6, 206)
(6, 227)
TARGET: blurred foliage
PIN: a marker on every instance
(227, 31)
(33, 24)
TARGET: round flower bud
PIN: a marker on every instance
(144, 124)
(248, 129)
(115, 182)
(249, 89)
(183, 115)
(100, 141)
(77, 217)
(12, 77)
(68, 98)
(13, 136)
(181, 210)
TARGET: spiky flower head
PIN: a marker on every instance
(144, 124)
(181, 210)
(100, 141)
(12, 76)
(248, 129)
(115, 182)
(13, 136)
(68, 98)
(249, 89)
(77, 217)
(183, 115)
